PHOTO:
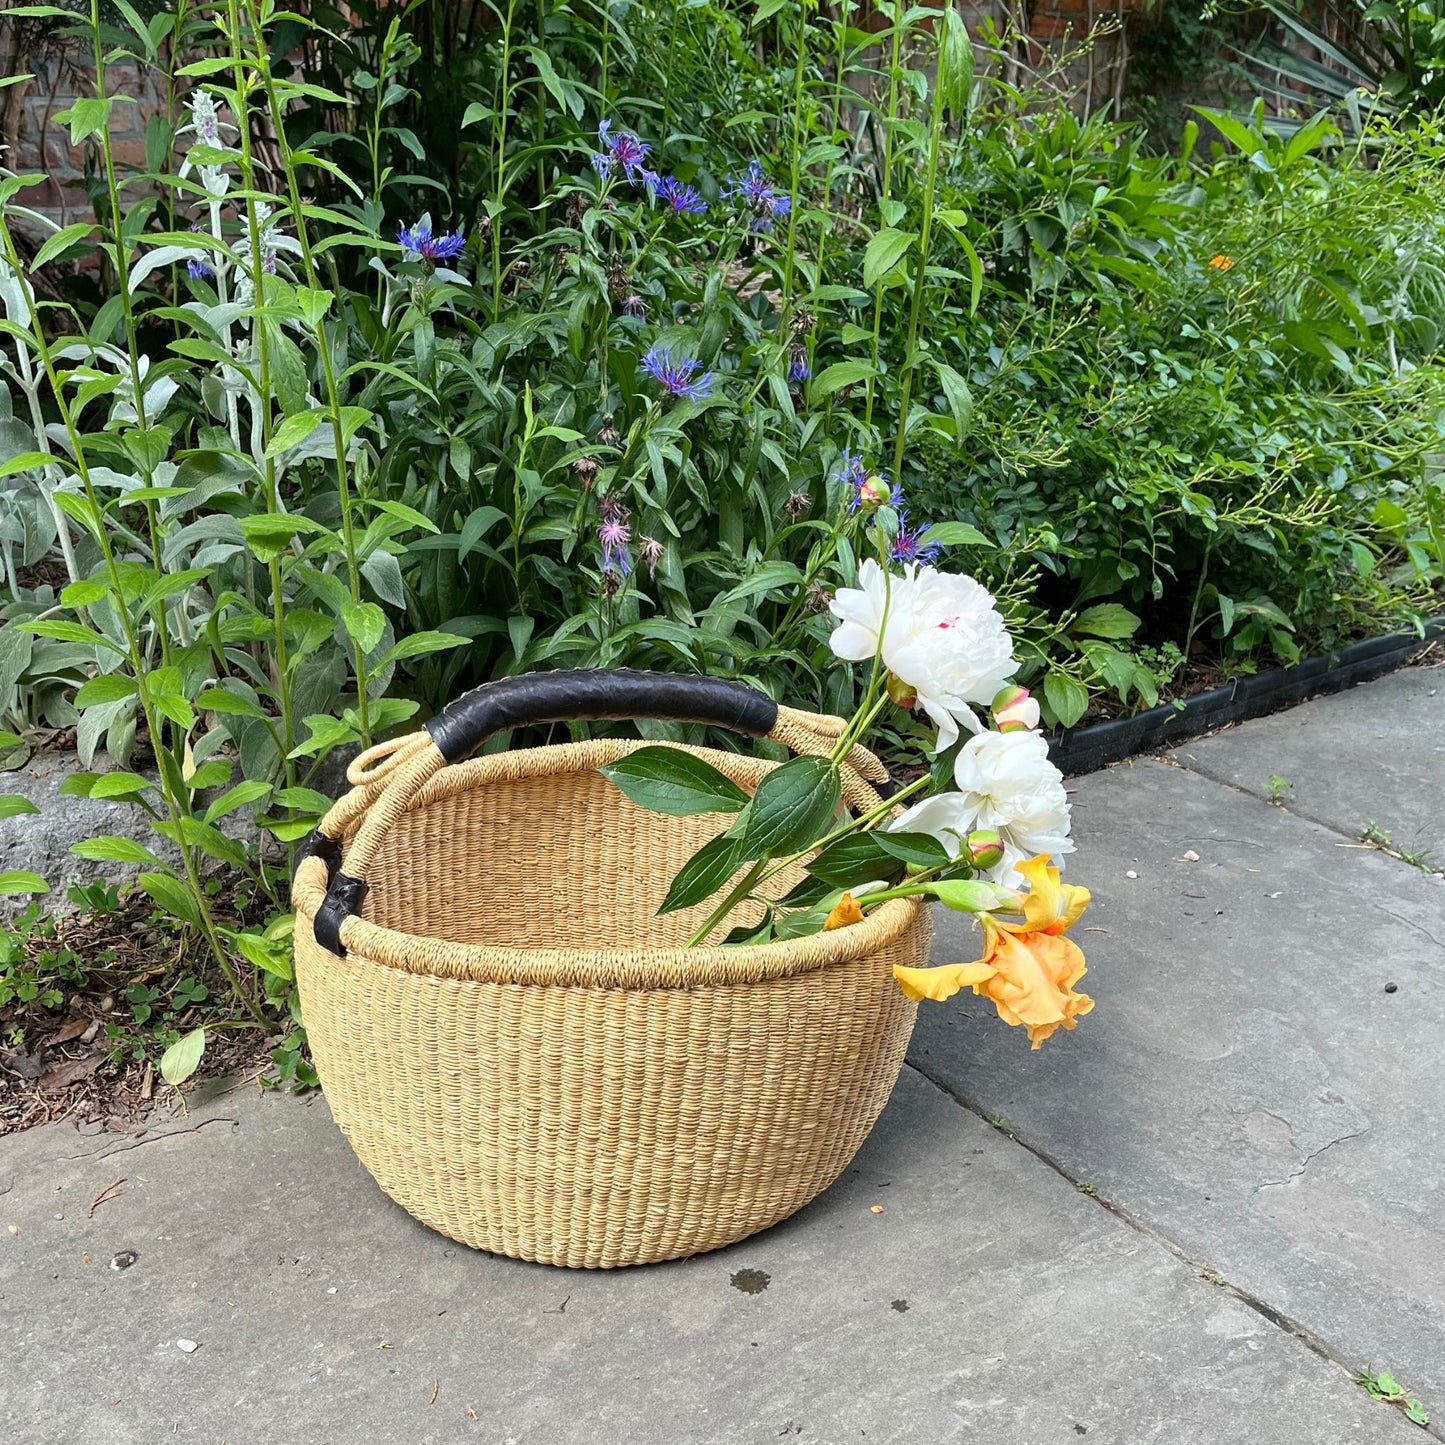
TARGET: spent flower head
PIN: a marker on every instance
(676, 375)
(650, 550)
(615, 536)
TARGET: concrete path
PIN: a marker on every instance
(1198, 1215)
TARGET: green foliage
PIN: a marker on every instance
(1382, 1385)
(273, 484)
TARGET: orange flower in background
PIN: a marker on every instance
(1028, 969)
(1221, 262)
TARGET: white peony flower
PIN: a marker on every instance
(1007, 783)
(944, 639)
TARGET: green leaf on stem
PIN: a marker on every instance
(793, 807)
(671, 781)
(885, 251)
(854, 859)
(17, 880)
(922, 850)
(183, 1057)
(172, 895)
(109, 849)
(704, 874)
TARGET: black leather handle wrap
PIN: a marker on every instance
(597, 694)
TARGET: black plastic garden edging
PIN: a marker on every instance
(1083, 750)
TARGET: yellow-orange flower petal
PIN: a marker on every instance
(1221, 262)
(1033, 980)
(1029, 976)
(845, 911)
(1050, 906)
(940, 983)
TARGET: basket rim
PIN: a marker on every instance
(672, 967)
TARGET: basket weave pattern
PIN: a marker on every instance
(523, 1056)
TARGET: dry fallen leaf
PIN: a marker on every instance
(471, 1414)
(70, 1029)
(72, 1071)
(1191, 856)
(876, 1208)
(14, 1229)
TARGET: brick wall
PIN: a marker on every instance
(35, 141)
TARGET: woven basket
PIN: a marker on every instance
(516, 1044)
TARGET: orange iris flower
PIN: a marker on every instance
(1028, 969)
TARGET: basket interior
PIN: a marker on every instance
(560, 860)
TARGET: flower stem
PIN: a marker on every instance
(740, 892)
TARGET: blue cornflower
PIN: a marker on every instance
(798, 368)
(909, 546)
(683, 199)
(419, 244)
(621, 150)
(199, 269)
(759, 197)
(676, 376)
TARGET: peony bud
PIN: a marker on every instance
(873, 492)
(984, 848)
(1015, 711)
(901, 692)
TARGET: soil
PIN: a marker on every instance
(91, 1059)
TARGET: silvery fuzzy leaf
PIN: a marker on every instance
(109, 477)
(383, 571)
(15, 293)
(163, 256)
(215, 554)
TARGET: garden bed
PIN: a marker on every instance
(1086, 749)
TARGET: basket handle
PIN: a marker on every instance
(594, 694)
(591, 694)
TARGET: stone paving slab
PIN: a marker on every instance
(990, 1301)
(1374, 754)
(1246, 1086)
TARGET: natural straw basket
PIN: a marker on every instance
(515, 1043)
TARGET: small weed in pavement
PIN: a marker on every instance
(1277, 790)
(1384, 1386)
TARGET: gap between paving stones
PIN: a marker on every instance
(1173, 760)
(1206, 1271)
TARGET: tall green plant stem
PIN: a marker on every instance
(504, 101)
(262, 401)
(920, 282)
(323, 346)
(799, 127)
(176, 808)
(885, 194)
(122, 270)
